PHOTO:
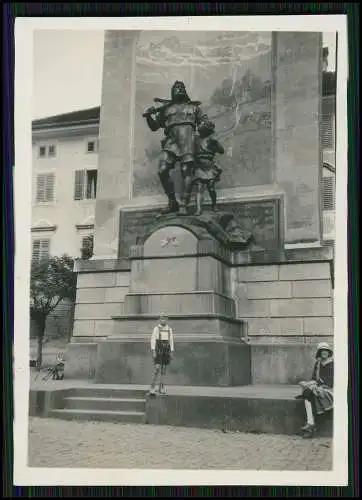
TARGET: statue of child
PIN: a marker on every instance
(207, 172)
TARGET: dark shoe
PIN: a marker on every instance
(308, 431)
(162, 389)
(152, 392)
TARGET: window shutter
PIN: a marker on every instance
(49, 187)
(328, 193)
(79, 185)
(44, 249)
(327, 131)
(41, 249)
(40, 188)
(36, 250)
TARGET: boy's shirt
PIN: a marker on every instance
(162, 333)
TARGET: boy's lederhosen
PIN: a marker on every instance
(163, 347)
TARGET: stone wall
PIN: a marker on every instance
(100, 296)
(288, 309)
(286, 302)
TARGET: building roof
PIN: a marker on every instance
(82, 117)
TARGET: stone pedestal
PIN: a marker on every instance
(184, 273)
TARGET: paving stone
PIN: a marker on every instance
(57, 443)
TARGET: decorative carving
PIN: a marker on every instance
(170, 240)
(221, 226)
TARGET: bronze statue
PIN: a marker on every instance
(179, 117)
(207, 172)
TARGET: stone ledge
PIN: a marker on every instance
(179, 303)
(281, 256)
(254, 409)
(101, 265)
(247, 413)
(171, 317)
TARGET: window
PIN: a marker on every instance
(327, 131)
(40, 250)
(47, 151)
(92, 146)
(45, 188)
(87, 246)
(85, 185)
(328, 193)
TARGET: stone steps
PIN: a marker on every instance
(102, 404)
(98, 415)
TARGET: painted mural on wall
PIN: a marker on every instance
(230, 73)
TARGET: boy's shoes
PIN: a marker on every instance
(162, 389)
(152, 392)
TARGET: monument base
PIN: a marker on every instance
(196, 363)
(232, 363)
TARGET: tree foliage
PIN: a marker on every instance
(51, 281)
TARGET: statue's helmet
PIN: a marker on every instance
(178, 89)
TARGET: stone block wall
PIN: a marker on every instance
(100, 295)
(288, 302)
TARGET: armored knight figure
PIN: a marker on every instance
(179, 117)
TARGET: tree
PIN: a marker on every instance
(51, 281)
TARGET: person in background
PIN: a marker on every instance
(162, 348)
(318, 393)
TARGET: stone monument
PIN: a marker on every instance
(247, 288)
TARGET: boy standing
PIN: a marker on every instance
(162, 347)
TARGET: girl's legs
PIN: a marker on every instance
(309, 412)
(308, 429)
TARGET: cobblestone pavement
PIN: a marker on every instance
(59, 443)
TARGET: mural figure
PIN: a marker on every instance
(207, 173)
(179, 117)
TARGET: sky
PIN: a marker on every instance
(68, 67)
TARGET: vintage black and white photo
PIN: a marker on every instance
(182, 280)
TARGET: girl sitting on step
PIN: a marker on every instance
(318, 392)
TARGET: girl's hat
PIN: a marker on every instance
(323, 346)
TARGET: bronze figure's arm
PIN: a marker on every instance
(154, 122)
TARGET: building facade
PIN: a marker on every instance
(64, 183)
